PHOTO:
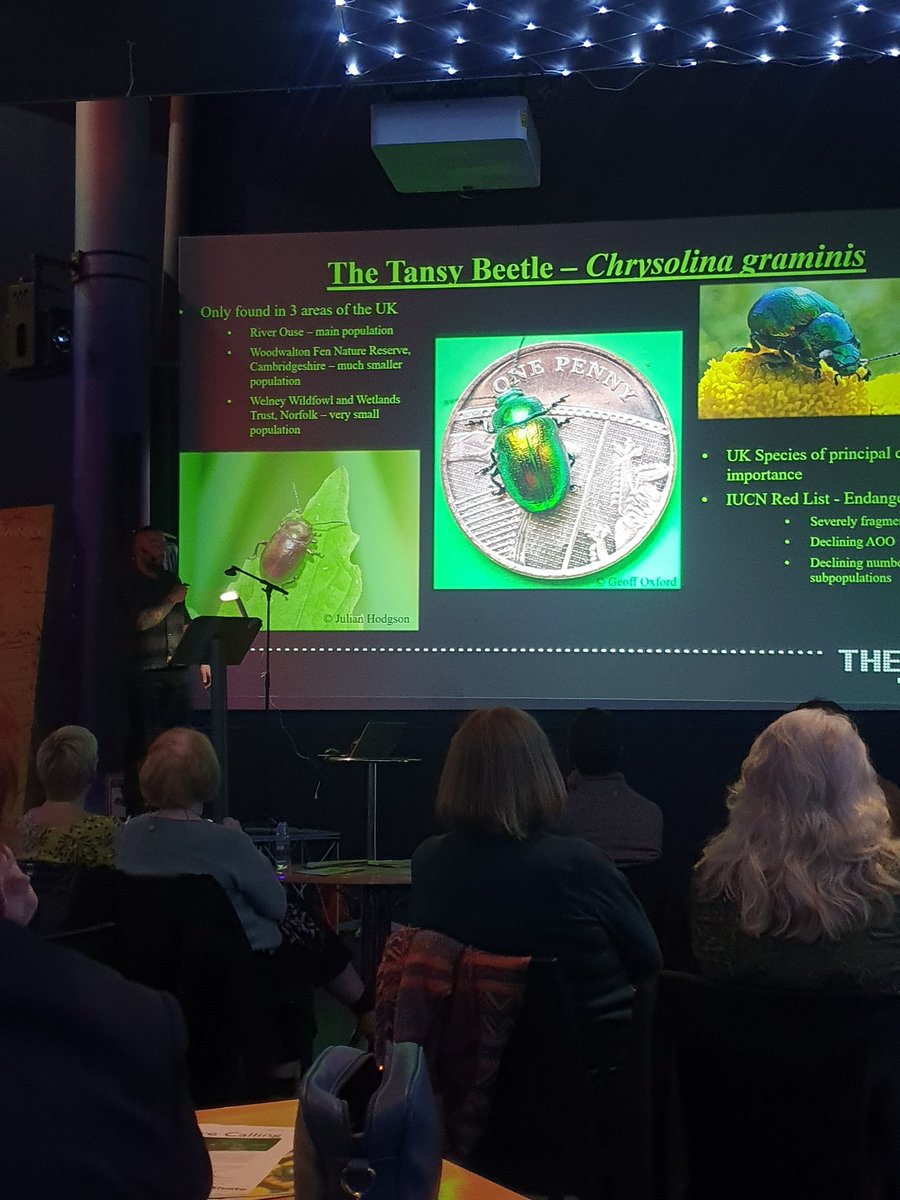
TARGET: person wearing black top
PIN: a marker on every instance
(155, 618)
(499, 881)
(92, 1073)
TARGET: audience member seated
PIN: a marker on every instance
(601, 806)
(59, 830)
(500, 882)
(179, 775)
(92, 1087)
(801, 888)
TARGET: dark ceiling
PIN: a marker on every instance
(714, 141)
(93, 48)
(618, 139)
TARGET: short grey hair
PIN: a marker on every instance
(67, 761)
(180, 769)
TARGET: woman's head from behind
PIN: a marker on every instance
(67, 762)
(180, 770)
(500, 775)
(807, 849)
(807, 768)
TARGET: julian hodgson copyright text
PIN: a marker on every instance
(367, 620)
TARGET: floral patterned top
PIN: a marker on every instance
(90, 842)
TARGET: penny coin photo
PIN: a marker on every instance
(558, 460)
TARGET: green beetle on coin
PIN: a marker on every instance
(529, 460)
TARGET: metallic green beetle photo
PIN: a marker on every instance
(529, 460)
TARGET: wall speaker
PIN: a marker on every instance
(19, 327)
(33, 340)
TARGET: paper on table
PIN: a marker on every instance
(245, 1160)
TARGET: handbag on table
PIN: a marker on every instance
(366, 1132)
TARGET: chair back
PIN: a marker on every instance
(780, 1094)
(504, 1049)
(180, 934)
(96, 941)
(648, 882)
(71, 897)
(543, 1132)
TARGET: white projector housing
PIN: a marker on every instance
(457, 145)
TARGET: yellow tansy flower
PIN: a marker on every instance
(744, 384)
(884, 395)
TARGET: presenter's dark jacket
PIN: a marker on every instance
(548, 897)
(93, 1103)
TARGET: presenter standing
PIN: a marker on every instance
(155, 618)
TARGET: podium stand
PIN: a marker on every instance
(222, 642)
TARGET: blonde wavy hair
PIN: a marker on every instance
(808, 850)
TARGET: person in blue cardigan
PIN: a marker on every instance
(179, 776)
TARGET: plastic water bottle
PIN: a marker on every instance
(282, 848)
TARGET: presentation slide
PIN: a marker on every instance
(652, 464)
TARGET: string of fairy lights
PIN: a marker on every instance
(427, 40)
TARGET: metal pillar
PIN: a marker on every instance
(164, 399)
(110, 382)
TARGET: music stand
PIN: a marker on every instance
(222, 642)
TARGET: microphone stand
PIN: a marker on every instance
(268, 588)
